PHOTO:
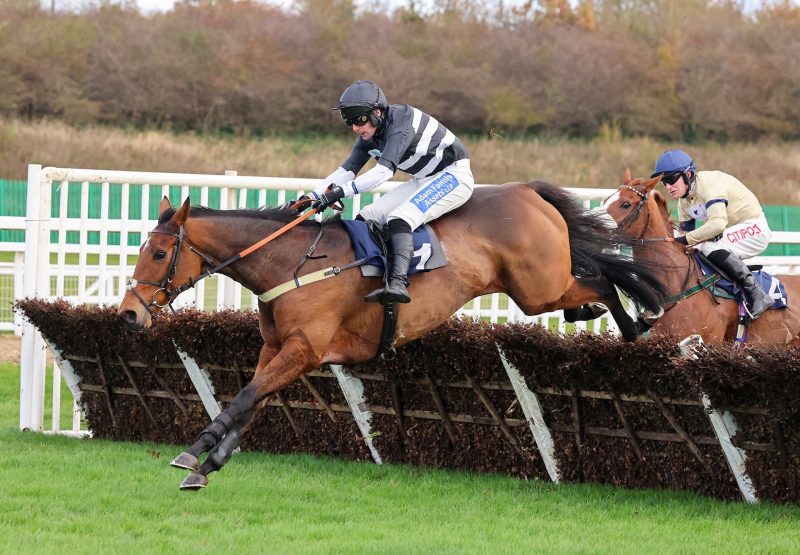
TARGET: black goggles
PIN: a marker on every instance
(671, 178)
(358, 120)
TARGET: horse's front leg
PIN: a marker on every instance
(581, 303)
(213, 434)
(295, 358)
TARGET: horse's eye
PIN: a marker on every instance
(626, 205)
(159, 255)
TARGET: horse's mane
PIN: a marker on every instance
(280, 214)
(591, 248)
(661, 201)
(585, 230)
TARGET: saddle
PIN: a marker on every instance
(724, 288)
(370, 256)
(369, 245)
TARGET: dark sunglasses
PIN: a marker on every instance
(358, 121)
(671, 178)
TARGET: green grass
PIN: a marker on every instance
(87, 496)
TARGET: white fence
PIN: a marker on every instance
(96, 273)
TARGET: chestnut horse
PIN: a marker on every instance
(642, 214)
(534, 242)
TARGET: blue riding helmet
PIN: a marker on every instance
(674, 161)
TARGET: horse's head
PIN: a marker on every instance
(637, 209)
(166, 263)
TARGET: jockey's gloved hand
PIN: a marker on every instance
(302, 202)
(682, 240)
(332, 195)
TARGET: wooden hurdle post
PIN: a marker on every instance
(724, 426)
(353, 390)
(532, 409)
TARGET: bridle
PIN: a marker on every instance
(163, 285)
(208, 263)
(634, 215)
(641, 240)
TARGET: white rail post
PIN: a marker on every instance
(19, 272)
(36, 283)
(73, 381)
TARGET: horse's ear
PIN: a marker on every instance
(651, 183)
(163, 206)
(181, 214)
(627, 177)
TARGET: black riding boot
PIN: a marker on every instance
(737, 270)
(401, 249)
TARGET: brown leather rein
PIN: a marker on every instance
(180, 240)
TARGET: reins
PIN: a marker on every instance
(684, 293)
(171, 294)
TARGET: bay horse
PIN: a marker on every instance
(642, 215)
(533, 241)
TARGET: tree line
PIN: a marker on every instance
(673, 69)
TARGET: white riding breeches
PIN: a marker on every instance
(421, 200)
(745, 239)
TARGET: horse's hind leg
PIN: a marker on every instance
(294, 359)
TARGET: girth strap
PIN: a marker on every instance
(386, 349)
(386, 346)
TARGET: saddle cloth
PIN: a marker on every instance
(428, 252)
(768, 282)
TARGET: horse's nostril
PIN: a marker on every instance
(128, 316)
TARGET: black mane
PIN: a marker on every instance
(274, 213)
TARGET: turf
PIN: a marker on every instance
(62, 495)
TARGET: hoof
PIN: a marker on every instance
(194, 481)
(186, 461)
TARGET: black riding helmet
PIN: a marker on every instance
(359, 99)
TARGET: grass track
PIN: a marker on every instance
(60, 495)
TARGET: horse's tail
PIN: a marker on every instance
(595, 255)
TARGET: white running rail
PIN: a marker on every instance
(57, 259)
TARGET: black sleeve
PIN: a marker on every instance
(397, 142)
(359, 156)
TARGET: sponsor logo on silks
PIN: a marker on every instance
(698, 212)
(375, 153)
(434, 192)
(742, 233)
